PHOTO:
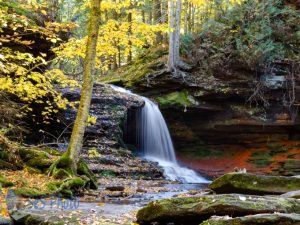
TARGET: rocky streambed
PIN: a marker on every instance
(233, 199)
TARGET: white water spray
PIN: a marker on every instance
(155, 142)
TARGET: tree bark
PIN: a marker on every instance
(76, 140)
(171, 61)
(186, 11)
(157, 18)
(174, 41)
(129, 19)
(177, 33)
(164, 17)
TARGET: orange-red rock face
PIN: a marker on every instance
(282, 158)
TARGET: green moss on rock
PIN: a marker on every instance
(30, 192)
(254, 184)
(32, 218)
(146, 64)
(181, 98)
(5, 183)
(193, 210)
(260, 219)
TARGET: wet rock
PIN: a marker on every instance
(115, 188)
(269, 219)
(292, 194)
(254, 184)
(110, 108)
(193, 210)
(116, 194)
(5, 221)
(31, 218)
(141, 190)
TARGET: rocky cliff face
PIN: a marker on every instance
(104, 149)
(229, 118)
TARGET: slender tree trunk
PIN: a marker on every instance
(174, 42)
(157, 18)
(76, 140)
(186, 11)
(193, 19)
(115, 62)
(171, 61)
(143, 16)
(177, 33)
(129, 57)
(119, 56)
(164, 17)
(190, 18)
(150, 17)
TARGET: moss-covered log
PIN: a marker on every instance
(260, 219)
(254, 184)
(194, 210)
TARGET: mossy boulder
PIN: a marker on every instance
(193, 210)
(260, 219)
(31, 218)
(247, 183)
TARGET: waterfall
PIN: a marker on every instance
(155, 142)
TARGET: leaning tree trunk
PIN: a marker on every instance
(76, 140)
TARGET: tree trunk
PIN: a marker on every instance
(186, 11)
(157, 18)
(177, 33)
(129, 19)
(76, 140)
(171, 61)
(164, 17)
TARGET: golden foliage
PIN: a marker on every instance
(20, 73)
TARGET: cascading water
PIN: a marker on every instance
(155, 142)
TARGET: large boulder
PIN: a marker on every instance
(270, 219)
(31, 218)
(193, 210)
(254, 184)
